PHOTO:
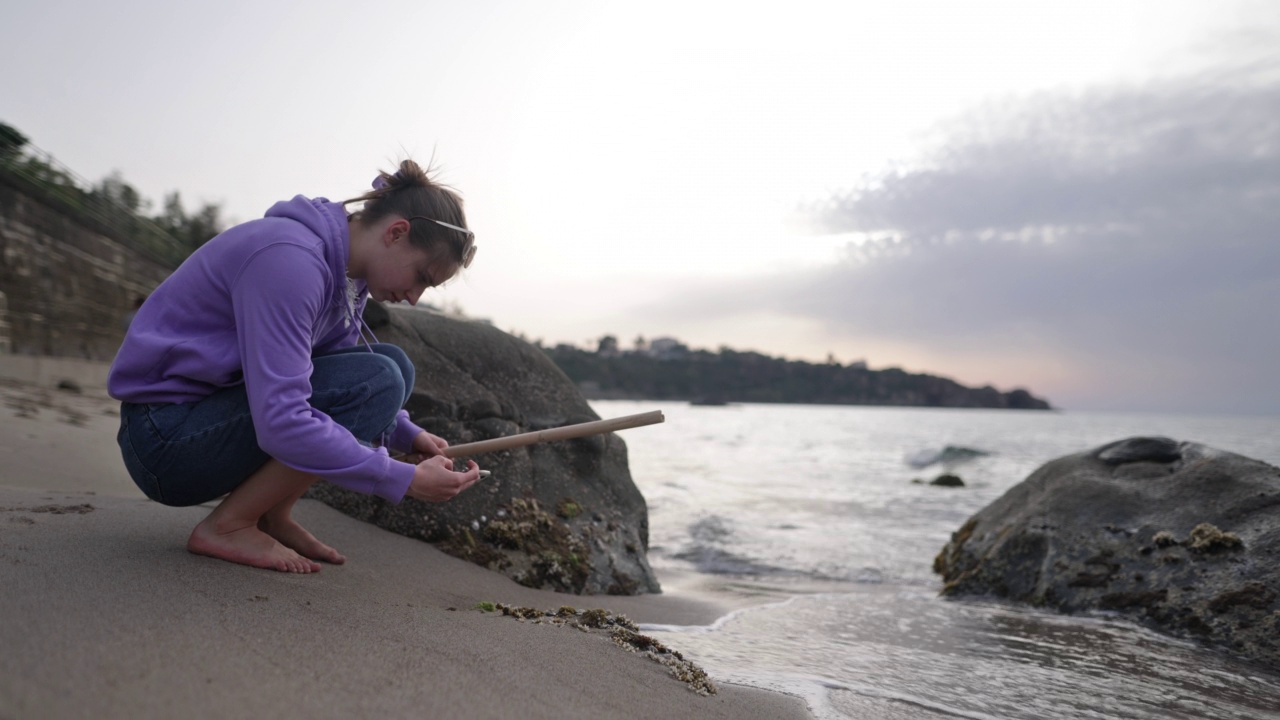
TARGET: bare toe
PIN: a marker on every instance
(292, 535)
(246, 546)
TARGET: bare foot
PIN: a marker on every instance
(293, 535)
(247, 546)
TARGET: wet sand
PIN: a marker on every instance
(103, 613)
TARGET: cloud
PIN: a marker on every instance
(1130, 232)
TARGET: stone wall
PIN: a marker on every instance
(67, 287)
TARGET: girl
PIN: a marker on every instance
(246, 373)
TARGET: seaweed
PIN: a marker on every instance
(625, 634)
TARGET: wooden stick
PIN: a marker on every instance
(566, 432)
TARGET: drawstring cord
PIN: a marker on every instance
(361, 329)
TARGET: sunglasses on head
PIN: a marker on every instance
(468, 248)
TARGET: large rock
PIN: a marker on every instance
(1180, 536)
(563, 516)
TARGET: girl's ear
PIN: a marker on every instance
(397, 230)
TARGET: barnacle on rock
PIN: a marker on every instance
(594, 618)
(533, 547)
(1207, 538)
(521, 613)
(623, 636)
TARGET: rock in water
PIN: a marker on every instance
(947, 480)
(1183, 537)
(562, 516)
(947, 456)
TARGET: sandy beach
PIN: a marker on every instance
(104, 614)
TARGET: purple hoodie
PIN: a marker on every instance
(252, 306)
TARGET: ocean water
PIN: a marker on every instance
(808, 519)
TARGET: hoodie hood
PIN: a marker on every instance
(328, 220)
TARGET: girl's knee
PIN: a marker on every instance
(402, 363)
(362, 391)
(400, 358)
(388, 380)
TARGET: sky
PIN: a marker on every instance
(1076, 198)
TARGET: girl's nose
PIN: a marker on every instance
(413, 296)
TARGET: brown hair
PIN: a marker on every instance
(410, 192)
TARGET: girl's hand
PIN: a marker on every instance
(428, 445)
(435, 480)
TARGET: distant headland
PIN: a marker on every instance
(668, 370)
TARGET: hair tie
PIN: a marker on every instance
(380, 182)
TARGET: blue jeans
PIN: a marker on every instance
(189, 453)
